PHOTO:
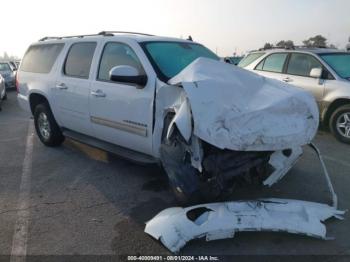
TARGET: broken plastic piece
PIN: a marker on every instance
(282, 164)
(174, 227)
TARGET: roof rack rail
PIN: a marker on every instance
(102, 33)
(62, 37)
(275, 47)
(108, 33)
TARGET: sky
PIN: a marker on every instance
(224, 26)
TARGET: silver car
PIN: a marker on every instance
(8, 74)
(323, 72)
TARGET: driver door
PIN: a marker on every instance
(121, 113)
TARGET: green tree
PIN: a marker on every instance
(268, 46)
(285, 44)
(316, 41)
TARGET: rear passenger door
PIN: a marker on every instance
(72, 88)
(298, 73)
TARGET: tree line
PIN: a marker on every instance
(315, 41)
(6, 56)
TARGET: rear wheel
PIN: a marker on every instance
(46, 127)
(340, 124)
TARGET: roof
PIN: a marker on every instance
(298, 49)
(139, 37)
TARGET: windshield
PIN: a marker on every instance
(246, 61)
(4, 67)
(339, 62)
(170, 58)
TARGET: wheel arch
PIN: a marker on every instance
(332, 107)
(35, 99)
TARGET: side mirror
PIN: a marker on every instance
(127, 74)
(316, 72)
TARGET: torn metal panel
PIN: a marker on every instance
(174, 227)
(168, 98)
(236, 109)
(282, 163)
(183, 121)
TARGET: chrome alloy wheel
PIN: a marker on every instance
(343, 124)
(44, 126)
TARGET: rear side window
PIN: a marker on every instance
(40, 58)
(273, 63)
(79, 58)
(246, 61)
(302, 64)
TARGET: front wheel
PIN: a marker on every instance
(340, 124)
(46, 127)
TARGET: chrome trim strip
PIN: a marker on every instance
(137, 130)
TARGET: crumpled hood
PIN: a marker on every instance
(236, 109)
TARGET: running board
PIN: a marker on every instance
(111, 148)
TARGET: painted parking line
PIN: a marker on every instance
(19, 241)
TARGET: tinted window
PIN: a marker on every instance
(340, 62)
(273, 63)
(301, 64)
(40, 58)
(249, 59)
(79, 58)
(115, 54)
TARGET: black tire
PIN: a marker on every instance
(55, 136)
(336, 116)
(5, 96)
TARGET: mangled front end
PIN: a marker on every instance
(223, 125)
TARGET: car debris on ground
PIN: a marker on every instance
(256, 124)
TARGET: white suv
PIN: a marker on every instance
(168, 101)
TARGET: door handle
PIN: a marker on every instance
(98, 93)
(287, 79)
(62, 86)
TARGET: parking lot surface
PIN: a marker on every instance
(84, 201)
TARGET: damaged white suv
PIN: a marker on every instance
(167, 101)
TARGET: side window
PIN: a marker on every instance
(246, 61)
(40, 58)
(79, 58)
(115, 54)
(273, 63)
(301, 64)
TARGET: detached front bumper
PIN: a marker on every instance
(174, 227)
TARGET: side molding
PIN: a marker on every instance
(127, 127)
